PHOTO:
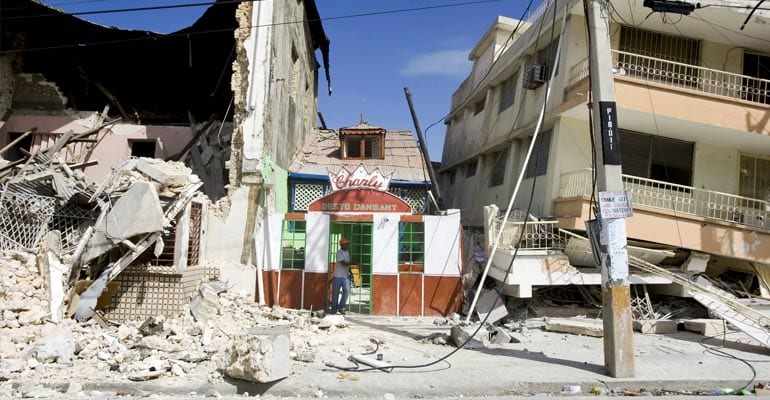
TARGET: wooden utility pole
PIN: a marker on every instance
(614, 202)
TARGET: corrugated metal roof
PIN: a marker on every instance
(321, 155)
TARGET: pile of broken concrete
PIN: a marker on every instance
(225, 335)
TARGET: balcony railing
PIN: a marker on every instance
(680, 75)
(538, 235)
(679, 199)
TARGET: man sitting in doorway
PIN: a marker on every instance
(341, 279)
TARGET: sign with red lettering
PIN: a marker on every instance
(359, 200)
(359, 178)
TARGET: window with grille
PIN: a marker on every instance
(754, 177)
(508, 92)
(293, 234)
(538, 161)
(499, 159)
(414, 196)
(363, 146)
(411, 239)
(656, 157)
(305, 193)
(662, 46)
(452, 177)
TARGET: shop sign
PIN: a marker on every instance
(359, 178)
(366, 201)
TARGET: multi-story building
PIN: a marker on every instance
(693, 106)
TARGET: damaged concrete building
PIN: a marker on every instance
(95, 118)
(692, 109)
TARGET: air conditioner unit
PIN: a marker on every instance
(537, 75)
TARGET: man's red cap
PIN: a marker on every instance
(343, 241)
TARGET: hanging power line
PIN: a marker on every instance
(213, 31)
(121, 10)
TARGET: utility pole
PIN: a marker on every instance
(614, 203)
(424, 149)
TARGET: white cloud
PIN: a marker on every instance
(443, 63)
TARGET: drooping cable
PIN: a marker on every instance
(526, 161)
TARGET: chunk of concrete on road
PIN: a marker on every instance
(162, 172)
(577, 326)
(460, 334)
(492, 304)
(261, 355)
(58, 346)
(500, 336)
(704, 326)
(652, 326)
(136, 212)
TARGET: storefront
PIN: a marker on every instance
(405, 263)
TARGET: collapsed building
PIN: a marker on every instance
(111, 165)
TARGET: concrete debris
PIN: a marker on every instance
(261, 355)
(491, 307)
(136, 212)
(577, 326)
(59, 346)
(462, 334)
(47, 206)
(160, 347)
(205, 305)
(501, 336)
(655, 326)
(23, 293)
(706, 327)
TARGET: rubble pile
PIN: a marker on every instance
(181, 349)
(23, 298)
(84, 231)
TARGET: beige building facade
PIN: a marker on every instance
(693, 100)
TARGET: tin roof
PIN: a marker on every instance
(321, 155)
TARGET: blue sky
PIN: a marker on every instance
(372, 57)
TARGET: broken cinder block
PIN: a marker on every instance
(706, 327)
(261, 355)
(655, 326)
(577, 326)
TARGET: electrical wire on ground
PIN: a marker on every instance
(519, 242)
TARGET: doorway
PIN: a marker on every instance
(360, 236)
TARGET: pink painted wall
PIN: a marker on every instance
(114, 141)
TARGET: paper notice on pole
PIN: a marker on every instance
(616, 204)
(614, 233)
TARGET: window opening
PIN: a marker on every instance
(470, 169)
(508, 92)
(17, 151)
(656, 157)
(293, 236)
(411, 241)
(143, 148)
(499, 159)
(538, 162)
(754, 177)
